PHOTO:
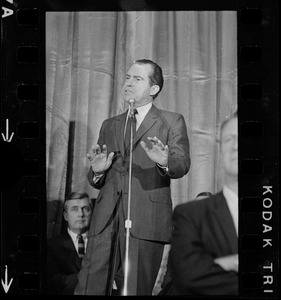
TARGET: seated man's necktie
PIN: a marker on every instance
(81, 246)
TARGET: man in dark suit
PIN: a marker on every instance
(204, 250)
(153, 166)
(63, 257)
(167, 286)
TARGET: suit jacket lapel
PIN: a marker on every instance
(147, 123)
(119, 131)
(225, 220)
(69, 246)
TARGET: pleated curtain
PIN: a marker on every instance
(87, 56)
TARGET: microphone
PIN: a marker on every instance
(132, 107)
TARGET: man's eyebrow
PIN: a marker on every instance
(74, 206)
(135, 76)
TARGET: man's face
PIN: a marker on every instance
(229, 148)
(78, 214)
(137, 86)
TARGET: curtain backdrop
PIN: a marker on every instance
(87, 56)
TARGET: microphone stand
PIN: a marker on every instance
(128, 222)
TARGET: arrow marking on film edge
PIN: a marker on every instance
(7, 139)
(5, 284)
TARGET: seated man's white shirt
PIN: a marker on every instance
(74, 238)
(232, 202)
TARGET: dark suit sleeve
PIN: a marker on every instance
(179, 155)
(192, 266)
(97, 185)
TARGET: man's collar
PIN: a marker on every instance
(143, 110)
(229, 193)
(74, 235)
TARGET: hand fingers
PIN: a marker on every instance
(89, 157)
(109, 160)
(156, 141)
(153, 140)
(160, 144)
(143, 144)
(96, 150)
(104, 149)
(110, 157)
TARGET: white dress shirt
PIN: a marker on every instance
(142, 112)
(232, 202)
(74, 237)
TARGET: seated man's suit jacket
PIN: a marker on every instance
(63, 265)
(203, 230)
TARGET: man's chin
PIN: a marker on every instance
(81, 228)
(232, 171)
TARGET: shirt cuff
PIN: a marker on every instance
(166, 169)
(97, 177)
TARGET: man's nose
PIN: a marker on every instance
(130, 81)
(80, 212)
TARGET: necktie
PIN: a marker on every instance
(128, 129)
(81, 246)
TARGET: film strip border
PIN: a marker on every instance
(23, 202)
(23, 197)
(258, 169)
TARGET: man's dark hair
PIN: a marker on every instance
(156, 77)
(74, 196)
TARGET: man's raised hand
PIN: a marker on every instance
(99, 159)
(158, 153)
